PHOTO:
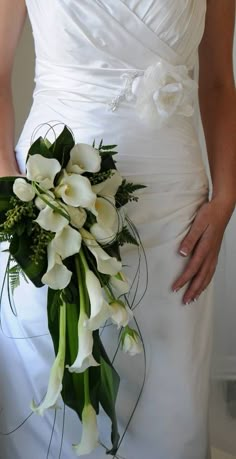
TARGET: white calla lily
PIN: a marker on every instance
(130, 342)
(103, 235)
(106, 212)
(51, 220)
(99, 308)
(84, 358)
(77, 216)
(57, 275)
(42, 170)
(84, 158)
(109, 186)
(120, 313)
(67, 242)
(90, 434)
(107, 226)
(76, 191)
(23, 190)
(105, 263)
(120, 283)
(57, 371)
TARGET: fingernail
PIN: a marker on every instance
(183, 252)
(176, 290)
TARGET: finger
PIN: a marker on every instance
(200, 253)
(206, 281)
(199, 281)
(197, 229)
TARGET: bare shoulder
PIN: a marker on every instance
(12, 18)
(216, 47)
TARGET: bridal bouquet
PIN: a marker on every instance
(64, 222)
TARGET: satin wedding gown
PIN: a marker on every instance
(83, 49)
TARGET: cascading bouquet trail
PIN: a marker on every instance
(64, 223)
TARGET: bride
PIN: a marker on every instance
(124, 71)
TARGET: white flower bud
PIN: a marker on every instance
(23, 190)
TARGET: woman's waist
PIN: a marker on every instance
(157, 92)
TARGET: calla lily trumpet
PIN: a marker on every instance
(109, 186)
(57, 275)
(90, 435)
(84, 357)
(105, 263)
(51, 220)
(57, 371)
(106, 228)
(120, 283)
(76, 191)
(84, 158)
(99, 308)
(67, 242)
(77, 216)
(42, 170)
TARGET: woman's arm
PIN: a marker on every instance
(217, 97)
(12, 18)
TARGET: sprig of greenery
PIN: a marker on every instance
(105, 150)
(99, 177)
(125, 192)
(125, 237)
(5, 237)
(15, 272)
(16, 216)
(41, 239)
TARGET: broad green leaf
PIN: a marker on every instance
(60, 149)
(19, 249)
(39, 147)
(108, 391)
(6, 192)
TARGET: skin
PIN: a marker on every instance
(217, 99)
(12, 19)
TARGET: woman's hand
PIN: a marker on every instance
(202, 244)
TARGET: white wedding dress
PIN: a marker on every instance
(82, 50)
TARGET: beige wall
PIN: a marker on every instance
(23, 78)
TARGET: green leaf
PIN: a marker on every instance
(108, 391)
(73, 383)
(19, 249)
(60, 149)
(14, 275)
(6, 192)
(108, 147)
(39, 147)
(125, 237)
(125, 192)
(107, 163)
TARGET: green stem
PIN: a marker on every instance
(57, 208)
(80, 280)
(62, 329)
(83, 259)
(79, 260)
